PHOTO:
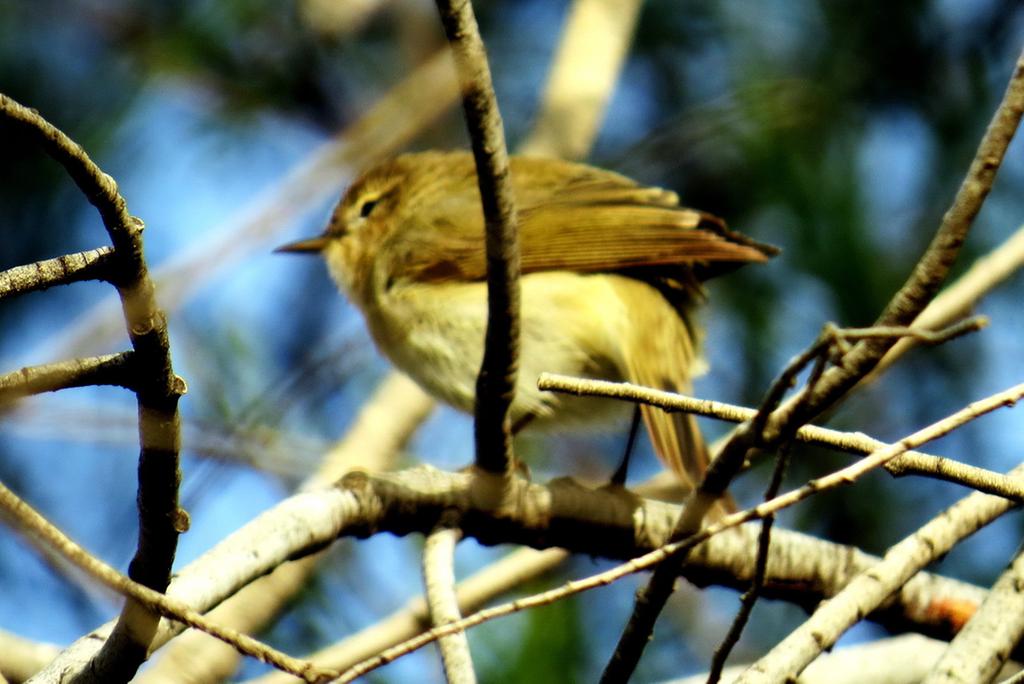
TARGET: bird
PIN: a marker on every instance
(611, 273)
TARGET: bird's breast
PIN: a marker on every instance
(570, 323)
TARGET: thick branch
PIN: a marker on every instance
(599, 523)
(496, 383)
(982, 647)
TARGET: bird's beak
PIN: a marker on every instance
(307, 246)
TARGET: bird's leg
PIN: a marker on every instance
(619, 477)
(521, 422)
(518, 425)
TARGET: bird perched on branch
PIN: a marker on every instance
(611, 271)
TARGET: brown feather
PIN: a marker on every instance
(571, 217)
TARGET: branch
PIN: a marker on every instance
(903, 659)
(984, 644)
(750, 596)
(929, 273)
(984, 275)
(383, 426)
(830, 386)
(157, 392)
(599, 523)
(94, 264)
(867, 591)
(32, 522)
(439, 581)
(472, 593)
(495, 387)
(909, 463)
(113, 369)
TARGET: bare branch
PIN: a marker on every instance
(112, 369)
(439, 580)
(496, 383)
(982, 647)
(866, 592)
(750, 596)
(602, 523)
(94, 264)
(157, 391)
(383, 426)
(910, 463)
(984, 275)
(931, 270)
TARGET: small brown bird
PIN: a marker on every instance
(610, 273)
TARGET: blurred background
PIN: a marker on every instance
(838, 131)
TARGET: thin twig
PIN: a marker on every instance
(497, 380)
(93, 264)
(910, 463)
(931, 270)
(112, 369)
(984, 275)
(749, 597)
(498, 578)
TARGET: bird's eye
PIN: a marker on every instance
(366, 207)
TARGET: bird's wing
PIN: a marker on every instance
(576, 218)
